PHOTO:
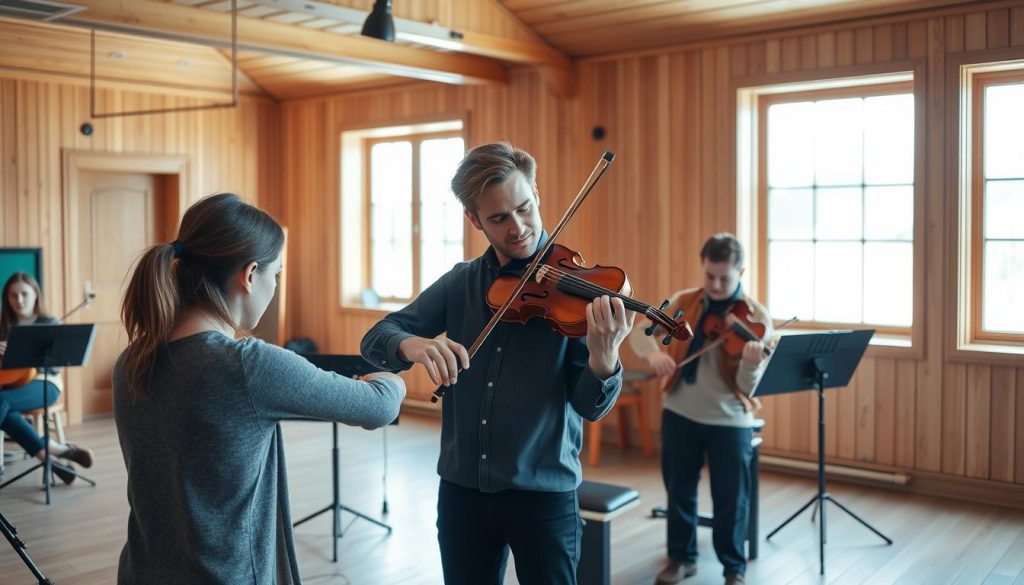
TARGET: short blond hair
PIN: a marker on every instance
(489, 164)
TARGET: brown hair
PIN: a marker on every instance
(219, 235)
(723, 247)
(489, 164)
(8, 318)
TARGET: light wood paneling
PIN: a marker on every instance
(670, 118)
(229, 150)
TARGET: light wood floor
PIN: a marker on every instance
(77, 539)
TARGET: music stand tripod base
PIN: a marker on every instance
(336, 507)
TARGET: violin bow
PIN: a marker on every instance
(595, 175)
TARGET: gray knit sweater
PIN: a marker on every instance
(206, 471)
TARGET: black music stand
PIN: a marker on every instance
(816, 361)
(349, 366)
(45, 347)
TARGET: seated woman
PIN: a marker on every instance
(22, 305)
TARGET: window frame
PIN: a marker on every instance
(903, 336)
(973, 144)
(416, 138)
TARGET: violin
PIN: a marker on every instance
(735, 328)
(561, 288)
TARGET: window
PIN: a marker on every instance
(836, 205)
(996, 204)
(414, 227)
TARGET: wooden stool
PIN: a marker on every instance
(632, 395)
(56, 420)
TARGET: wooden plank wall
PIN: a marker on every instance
(229, 150)
(670, 117)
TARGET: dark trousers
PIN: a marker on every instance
(14, 402)
(685, 445)
(476, 531)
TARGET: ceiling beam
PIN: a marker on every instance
(178, 22)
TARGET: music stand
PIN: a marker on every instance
(348, 366)
(816, 361)
(45, 347)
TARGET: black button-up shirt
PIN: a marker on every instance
(514, 420)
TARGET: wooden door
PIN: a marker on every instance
(119, 216)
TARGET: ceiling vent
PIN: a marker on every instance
(37, 9)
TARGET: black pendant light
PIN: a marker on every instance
(380, 24)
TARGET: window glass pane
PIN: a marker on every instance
(391, 173)
(1003, 287)
(1004, 131)
(839, 141)
(888, 283)
(391, 218)
(441, 215)
(791, 145)
(392, 269)
(1004, 209)
(889, 213)
(790, 214)
(838, 214)
(791, 279)
(838, 282)
(889, 139)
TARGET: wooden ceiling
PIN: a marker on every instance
(594, 27)
(297, 48)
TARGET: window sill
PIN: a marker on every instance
(988, 352)
(374, 311)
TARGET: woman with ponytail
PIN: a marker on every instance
(198, 403)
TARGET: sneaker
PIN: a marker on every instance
(734, 579)
(675, 572)
(79, 455)
(65, 474)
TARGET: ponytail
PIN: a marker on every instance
(149, 311)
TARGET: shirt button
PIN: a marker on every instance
(483, 421)
(484, 456)
(499, 349)
(489, 384)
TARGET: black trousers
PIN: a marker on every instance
(685, 446)
(476, 531)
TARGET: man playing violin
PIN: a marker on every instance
(511, 425)
(708, 411)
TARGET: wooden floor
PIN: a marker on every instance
(77, 539)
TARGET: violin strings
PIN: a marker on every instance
(560, 275)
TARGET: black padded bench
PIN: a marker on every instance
(599, 504)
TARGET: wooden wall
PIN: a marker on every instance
(670, 117)
(228, 149)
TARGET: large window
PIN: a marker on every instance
(836, 205)
(414, 225)
(997, 206)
